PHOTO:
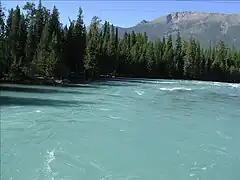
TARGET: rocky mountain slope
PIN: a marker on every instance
(208, 28)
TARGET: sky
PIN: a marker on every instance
(129, 13)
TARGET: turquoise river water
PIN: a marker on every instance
(121, 130)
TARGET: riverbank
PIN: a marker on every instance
(71, 83)
(42, 81)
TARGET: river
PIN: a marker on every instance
(121, 130)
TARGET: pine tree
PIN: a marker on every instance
(197, 60)
(17, 37)
(189, 59)
(43, 52)
(178, 58)
(150, 57)
(91, 61)
(54, 24)
(111, 51)
(168, 55)
(158, 55)
(218, 64)
(3, 45)
(39, 22)
(2, 23)
(52, 60)
(80, 38)
(30, 48)
(30, 12)
(116, 47)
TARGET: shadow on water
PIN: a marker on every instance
(23, 101)
(222, 97)
(15, 88)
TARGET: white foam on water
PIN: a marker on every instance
(104, 109)
(219, 84)
(166, 82)
(119, 118)
(199, 82)
(38, 111)
(139, 92)
(192, 174)
(113, 117)
(50, 156)
(234, 85)
(16, 107)
(208, 83)
(231, 85)
(175, 89)
(198, 168)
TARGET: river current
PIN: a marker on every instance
(121, 130)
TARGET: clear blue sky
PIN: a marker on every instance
(129, 13)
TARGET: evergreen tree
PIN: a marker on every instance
(178, 58)
(3, 43)
(80, 41)
(39, 22)
(189, 59)
(168, 55)
(17, 40)
(43, 52)
(150, 57)
(91, 61)
(2, 19)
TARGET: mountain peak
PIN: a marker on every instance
(143, 22)
(184, 15)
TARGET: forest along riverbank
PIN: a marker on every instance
(45, 48)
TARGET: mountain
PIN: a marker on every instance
(208, 28)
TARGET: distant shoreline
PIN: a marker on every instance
(69, 83)
(44, 82)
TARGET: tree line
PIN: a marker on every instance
(34, 43)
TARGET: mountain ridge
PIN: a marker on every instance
(208, 28)
(183, 13)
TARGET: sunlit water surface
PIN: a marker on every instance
(121, 130)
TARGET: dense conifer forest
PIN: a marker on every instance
(34, 43)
